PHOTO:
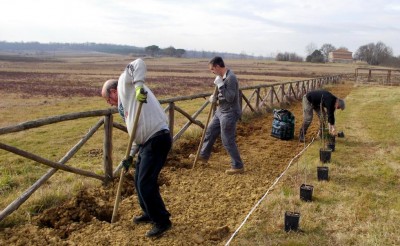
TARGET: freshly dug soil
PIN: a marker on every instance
(206, 204)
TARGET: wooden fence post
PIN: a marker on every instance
(369, 75)
(258, 99)
(272, 92)
(241, 98)
(298, 94)
(282, 93)
(107, 147)
(171, 118)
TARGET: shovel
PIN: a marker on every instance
(128, 150)
(205, 127)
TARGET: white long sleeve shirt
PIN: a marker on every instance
(152, 117)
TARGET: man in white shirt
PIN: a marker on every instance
(152, 139)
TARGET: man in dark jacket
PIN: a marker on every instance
(316, 101)
(226, 116)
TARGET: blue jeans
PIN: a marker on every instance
(223, 124)
(151, 158)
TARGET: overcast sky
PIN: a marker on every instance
(255, 27)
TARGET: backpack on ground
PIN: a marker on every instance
(283, 124)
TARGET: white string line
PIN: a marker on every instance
(266, 193)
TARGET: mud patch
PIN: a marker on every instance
(88, 205)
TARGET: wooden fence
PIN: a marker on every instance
(377, 75)
(258, 97)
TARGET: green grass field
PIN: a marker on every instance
(360, 204)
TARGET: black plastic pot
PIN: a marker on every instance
(306, 192)
(325, 155)
(292, 221)
(323, 173)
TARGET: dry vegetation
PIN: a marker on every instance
(206, 205)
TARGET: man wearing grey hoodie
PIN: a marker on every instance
(152, 141)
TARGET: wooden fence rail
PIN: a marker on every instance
(261, 96)
(377, 75)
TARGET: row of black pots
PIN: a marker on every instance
(323, 171)
(325, 155)
(306, 192)
(292, 218)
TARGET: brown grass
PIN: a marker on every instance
(348, 210)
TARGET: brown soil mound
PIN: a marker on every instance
(206, 204)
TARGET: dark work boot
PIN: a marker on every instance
(141, 219)
(159, 229)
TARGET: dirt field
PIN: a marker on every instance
(206, 204)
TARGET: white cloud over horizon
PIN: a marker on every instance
(254, 27)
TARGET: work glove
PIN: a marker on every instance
(126, 163)
(213, 99)
(141, 94)
(219, 82)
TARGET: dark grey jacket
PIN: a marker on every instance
(228, 95)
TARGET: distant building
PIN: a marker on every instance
(340, 56)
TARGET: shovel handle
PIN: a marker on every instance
(118, 198)
(128, 150)
(205, 128)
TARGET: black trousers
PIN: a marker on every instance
(151, 159)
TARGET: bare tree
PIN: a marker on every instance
(365, 52)
(382, 52)
(374, 54)
(310, 48)
(326, 49)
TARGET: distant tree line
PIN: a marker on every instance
(373, 54)
(152, 50)
(53, 47)
(209, 54)
(292, 57)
